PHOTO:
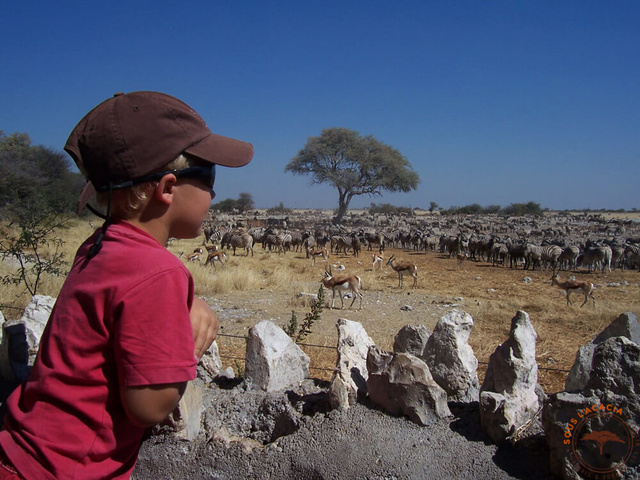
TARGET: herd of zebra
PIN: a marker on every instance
(601, 255)
(282, 241)
(554, 255)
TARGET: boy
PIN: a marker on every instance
(126, 333)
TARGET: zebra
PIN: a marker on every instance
(430, 242)
(632, 255)
(480, 245)
(568, 258)
(449, 244)
(257, 233)
(372, 238)
(617, 255)
(532, 256)
(550, 255)
(237, 239)
(308, 242)
(516, 251)
(340, 243)
(211, 234)
(499, 253)
(276, 241)
(356, 245)
(595, 256)
(404, 238)
(321, 238)
(297, 239)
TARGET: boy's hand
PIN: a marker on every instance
(205, 325)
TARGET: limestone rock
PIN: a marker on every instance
(259, 416)
(184, 421)
(210, 365)
(608, 403)
(35, 317)
(273, 361)
(402, 385)
(349, 382)
(411, 339)
(626, 325)
(450, 357)
(508, 396)
(21, 339)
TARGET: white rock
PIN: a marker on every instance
(349, 381)
(273, 361)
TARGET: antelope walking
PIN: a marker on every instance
(194, 257)
(215, 256)
(402, 268)
(343, 283)
(569, 285)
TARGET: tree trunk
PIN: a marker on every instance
(343, 205)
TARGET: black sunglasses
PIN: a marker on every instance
(207, 173)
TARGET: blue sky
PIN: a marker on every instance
(492, 102)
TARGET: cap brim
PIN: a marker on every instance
(224, 151)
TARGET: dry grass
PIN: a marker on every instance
(249, 289)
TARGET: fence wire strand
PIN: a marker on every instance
(549, 369)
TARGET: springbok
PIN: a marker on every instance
(194, 257)
(215, 256)
(377, 259)
(402, 268)
(315, 252)
(343, 283)
(569, 285)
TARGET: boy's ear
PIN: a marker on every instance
(164, 190)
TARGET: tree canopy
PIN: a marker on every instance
(354, 165)
(35, 177)
(242, 204)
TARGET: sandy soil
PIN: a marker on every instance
(362, 442)
(491, 295)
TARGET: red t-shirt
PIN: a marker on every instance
(121, 318)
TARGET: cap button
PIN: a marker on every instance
(118, 94)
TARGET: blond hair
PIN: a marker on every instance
(127, 202)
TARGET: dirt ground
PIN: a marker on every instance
(490, 294)
(362, 442)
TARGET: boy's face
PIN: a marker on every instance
(191, 203)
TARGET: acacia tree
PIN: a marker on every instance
(245, 202)
(355, 165)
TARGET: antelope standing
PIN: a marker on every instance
(343, 283)
(315, 252)
(378, 259)
(569, 285)
(402, 268)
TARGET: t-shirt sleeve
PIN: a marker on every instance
(153, 334)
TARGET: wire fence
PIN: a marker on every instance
(302, 344)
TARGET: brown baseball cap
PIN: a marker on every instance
(131, 135)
